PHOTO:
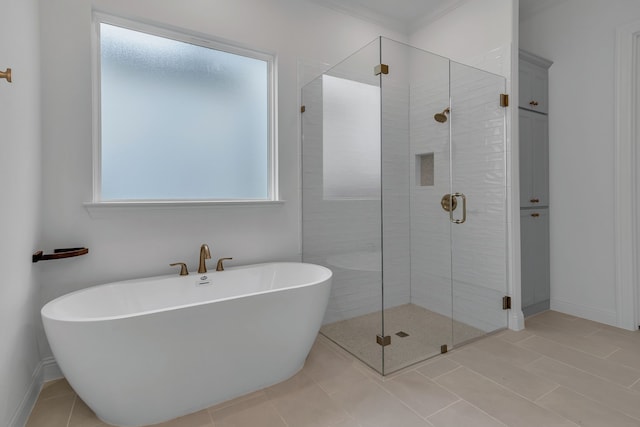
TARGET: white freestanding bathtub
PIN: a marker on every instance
(144, 351)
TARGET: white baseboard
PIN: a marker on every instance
(21, 415)
(590, 313)
(51, 370)
(516, 320)
(46, 370)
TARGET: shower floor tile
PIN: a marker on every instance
(426, 332)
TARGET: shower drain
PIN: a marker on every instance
(402, 334)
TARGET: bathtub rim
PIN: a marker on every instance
(328, 274)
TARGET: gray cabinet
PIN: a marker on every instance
(534, 182)
(534, 83)
(534, 235)
(534, 159)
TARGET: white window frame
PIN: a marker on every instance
(198, 39)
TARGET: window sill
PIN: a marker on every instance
(107, 209)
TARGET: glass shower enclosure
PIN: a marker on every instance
(404, 199)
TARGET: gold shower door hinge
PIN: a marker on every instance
(380, 69)
(506, 303)
(504, 100)
(383, 340)
(303, 109)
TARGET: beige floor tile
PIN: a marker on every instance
(510, 376)
(506, 352)
(330, 369)
(463, 414)
(348, 422)
(420, 393)
(615, 396)
(52, 412)
(55, 388)
(626, 357)
(585, 323)
(604, 368)
(618, 337)
(569, 325)
(254, 395)
(498, 378)
(498, 402)
(372, 406)
(427, 332)
(586, 344)
(301, 402)
(630, 336)
(256, 411)
(584, 411)
(197, 419)
(438, 366)
(551, 316)
(513, 336)
(83, 416)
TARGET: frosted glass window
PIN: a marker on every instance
(350, 139)
(181, 121)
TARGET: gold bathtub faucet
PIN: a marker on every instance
(220, 266)
(204, 254)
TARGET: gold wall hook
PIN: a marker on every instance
(6, 74)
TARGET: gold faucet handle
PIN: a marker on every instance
(183, 268)
(219, 266)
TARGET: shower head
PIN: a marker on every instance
(442, 117)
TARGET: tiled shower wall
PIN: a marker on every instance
(472, 253)
(345, 235)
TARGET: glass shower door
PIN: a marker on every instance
(416, 239)
(478, 183)
(404, 199)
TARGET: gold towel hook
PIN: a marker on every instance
(6, 74)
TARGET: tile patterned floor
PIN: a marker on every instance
(427, 332)
(560, 371)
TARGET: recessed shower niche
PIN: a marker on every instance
(424, 170)
(401, 137)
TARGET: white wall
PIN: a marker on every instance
(477, 33)
(579, 37)
(142, 243)
(20, 193)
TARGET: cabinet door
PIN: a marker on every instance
(533, 87)
(534, 159)
(534, 241)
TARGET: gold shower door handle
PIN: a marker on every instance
(454, 196)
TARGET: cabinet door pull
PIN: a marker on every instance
(533, 103)
(535, 200)
(535, 214)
